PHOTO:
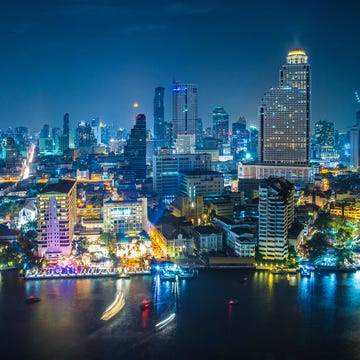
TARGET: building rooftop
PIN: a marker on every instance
(206, 230)
(63, 186)
(200, 172)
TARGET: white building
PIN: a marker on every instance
(208, 238)
(125, 217)
(204, 182)
(276, 215)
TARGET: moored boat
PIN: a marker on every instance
(32, 299)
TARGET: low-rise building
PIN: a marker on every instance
(208, 239)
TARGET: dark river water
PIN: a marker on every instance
(277, 317)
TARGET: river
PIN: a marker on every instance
(277, 317)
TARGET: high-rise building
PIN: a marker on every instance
(167, 167)
(56, 218)
(325, 140)
(159, 115)
(355, 143)
(276, 216)
(185, 109)
(85, 138)
(135, 149)
(45, 131)
(66, 130)
(220, 124)
(285, 115)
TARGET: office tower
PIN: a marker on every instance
(12, 156)
(21, 133)
(45, 132)
(355, 143)
(56, 218)
(325, 140)
(199, 137)
(159, 119)
(240, 139)
(22, 139)
(185, 109)
(185, 144)
(285, 115)
(96, 129)
(276, 216)
(55, 132)
(253, 142)
(167, 167)
(220, 124)
(135, 149)
(85, 138)
(66, 130)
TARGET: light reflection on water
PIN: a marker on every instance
(321, 314)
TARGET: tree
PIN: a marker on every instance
(316, 247)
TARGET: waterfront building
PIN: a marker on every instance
(166, 169)
(284, 116)
(125, 217)
(56, 218)
(220, 124)
(276, 216)
(135, 148)
(185, 109)
(208, 239)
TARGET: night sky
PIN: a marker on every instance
(95, 58)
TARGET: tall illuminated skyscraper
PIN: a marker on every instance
(221, 124)
(159, 121)
(135, 148)
(185, 109)
(285, 115)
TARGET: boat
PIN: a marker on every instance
(244, 280)
(167, 277)
(123, 276)
(305, 273)
(186, 275)
(233, 301)
(114, 308)
(146, 304)
(32, 299)
(277, 271)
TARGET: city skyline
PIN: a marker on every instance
(95, 59)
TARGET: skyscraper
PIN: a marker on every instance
(185, 109)
(355, 143)
(325, 140)
(285, 115)
(135, 149)
(159, 121)
(220, 124)
(66, 130)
